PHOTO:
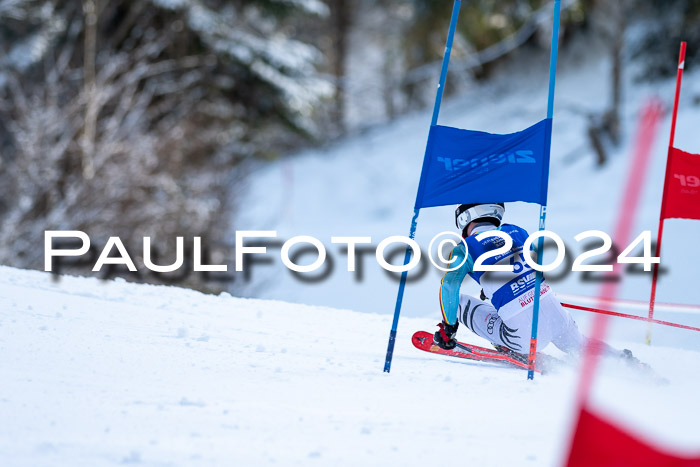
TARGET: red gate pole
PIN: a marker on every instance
(679, 79)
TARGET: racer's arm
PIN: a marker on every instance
(451, 283)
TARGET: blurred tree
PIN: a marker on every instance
(341, 13)
(668, 22)
(125, 117)
(610, 21)
(483, 24)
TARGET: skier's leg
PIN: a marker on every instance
(479, 316)
(567, 337)
(482, 318)
(565, 333)
(521, 325)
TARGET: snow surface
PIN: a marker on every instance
(102, 373)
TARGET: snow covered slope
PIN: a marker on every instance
(103, 373)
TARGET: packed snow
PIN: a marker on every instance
(102, 373)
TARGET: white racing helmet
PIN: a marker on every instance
(488, 212)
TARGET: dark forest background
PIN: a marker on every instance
(136, 118)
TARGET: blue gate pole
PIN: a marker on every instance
(543, 208)
(416, 211)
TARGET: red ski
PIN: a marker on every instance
(424, 341)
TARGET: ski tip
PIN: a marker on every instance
(422, 340)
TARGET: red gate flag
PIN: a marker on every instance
(600, 443)
(682, 196)
(679, 200)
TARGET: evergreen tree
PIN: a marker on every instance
(125, 117)
(667, 23)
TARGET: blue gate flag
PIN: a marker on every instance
(463, 166)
